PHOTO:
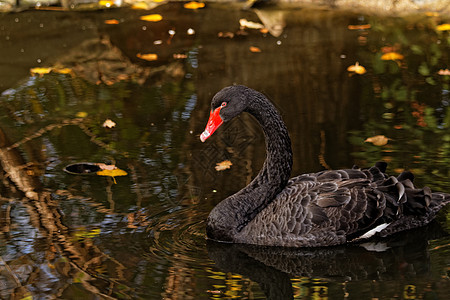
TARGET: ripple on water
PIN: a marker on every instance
(180, 234)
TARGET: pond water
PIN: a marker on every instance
(142, 236)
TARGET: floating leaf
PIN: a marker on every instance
(432, 14)
(106, 3)
(148, 56)
(226, 164)
(392, 56)
(377, 140)
(250, 24)
(112, 173)
(62, 70)
(357, 68)
(106, 167)
(359, 27)
(112, 22)
(109, 123)
(444, 72)
(254, 49)
(151, 18)
(443, 27)
(40, 71)
(194, 5)
(140, 5)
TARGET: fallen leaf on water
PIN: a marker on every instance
(226, 164)
(254, 49)
(103, 166)
(109, 123)
(264, 30)
(250, 24)
(148, 56)
(179, 56)
(81, 114)
(112, 173)
(444, 72)
(359, 27)
(40, 71)
(226, 34)
(62, 70)
(112, 22)
(194, 5)
(443, 27)
(151, 18)
(432, 14)
(392, 56)
(140, 5)
(377, 140)
(357, 68)
(107, 3)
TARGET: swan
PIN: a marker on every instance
(311, 210)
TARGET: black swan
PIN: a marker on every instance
(320, 209)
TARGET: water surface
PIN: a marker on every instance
(143, 236)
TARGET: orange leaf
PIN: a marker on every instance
(151, 18)
(148, 56)
(392, 56)
(194, 5)
(226, 164)
(378, 140)
(254, 49)
(112, 22)
(357, 68)
(444, 72)
(358, 27)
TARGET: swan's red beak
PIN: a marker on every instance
(213, 123)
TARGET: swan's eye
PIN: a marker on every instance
(223, 104)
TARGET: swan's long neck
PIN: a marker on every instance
(233, 213)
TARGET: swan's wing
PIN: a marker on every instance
(333, 207)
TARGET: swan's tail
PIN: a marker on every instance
(406, 205)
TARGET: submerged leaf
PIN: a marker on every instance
(226, 164)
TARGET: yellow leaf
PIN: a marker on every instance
(357, 68)
(392, 56)
(148, 56)
(194, 5)
(378, 140)
(254, 49)
(112, 22)
(81, 114)
(62, 70)
(109, 123)
(226, 164)
(443, 27)
(151, 18)
(106, 3)
(40, 71)
(432, 14)
(112, 173)
(140, 5)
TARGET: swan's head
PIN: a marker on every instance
(225, 105)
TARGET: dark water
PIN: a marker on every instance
(74, 237)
